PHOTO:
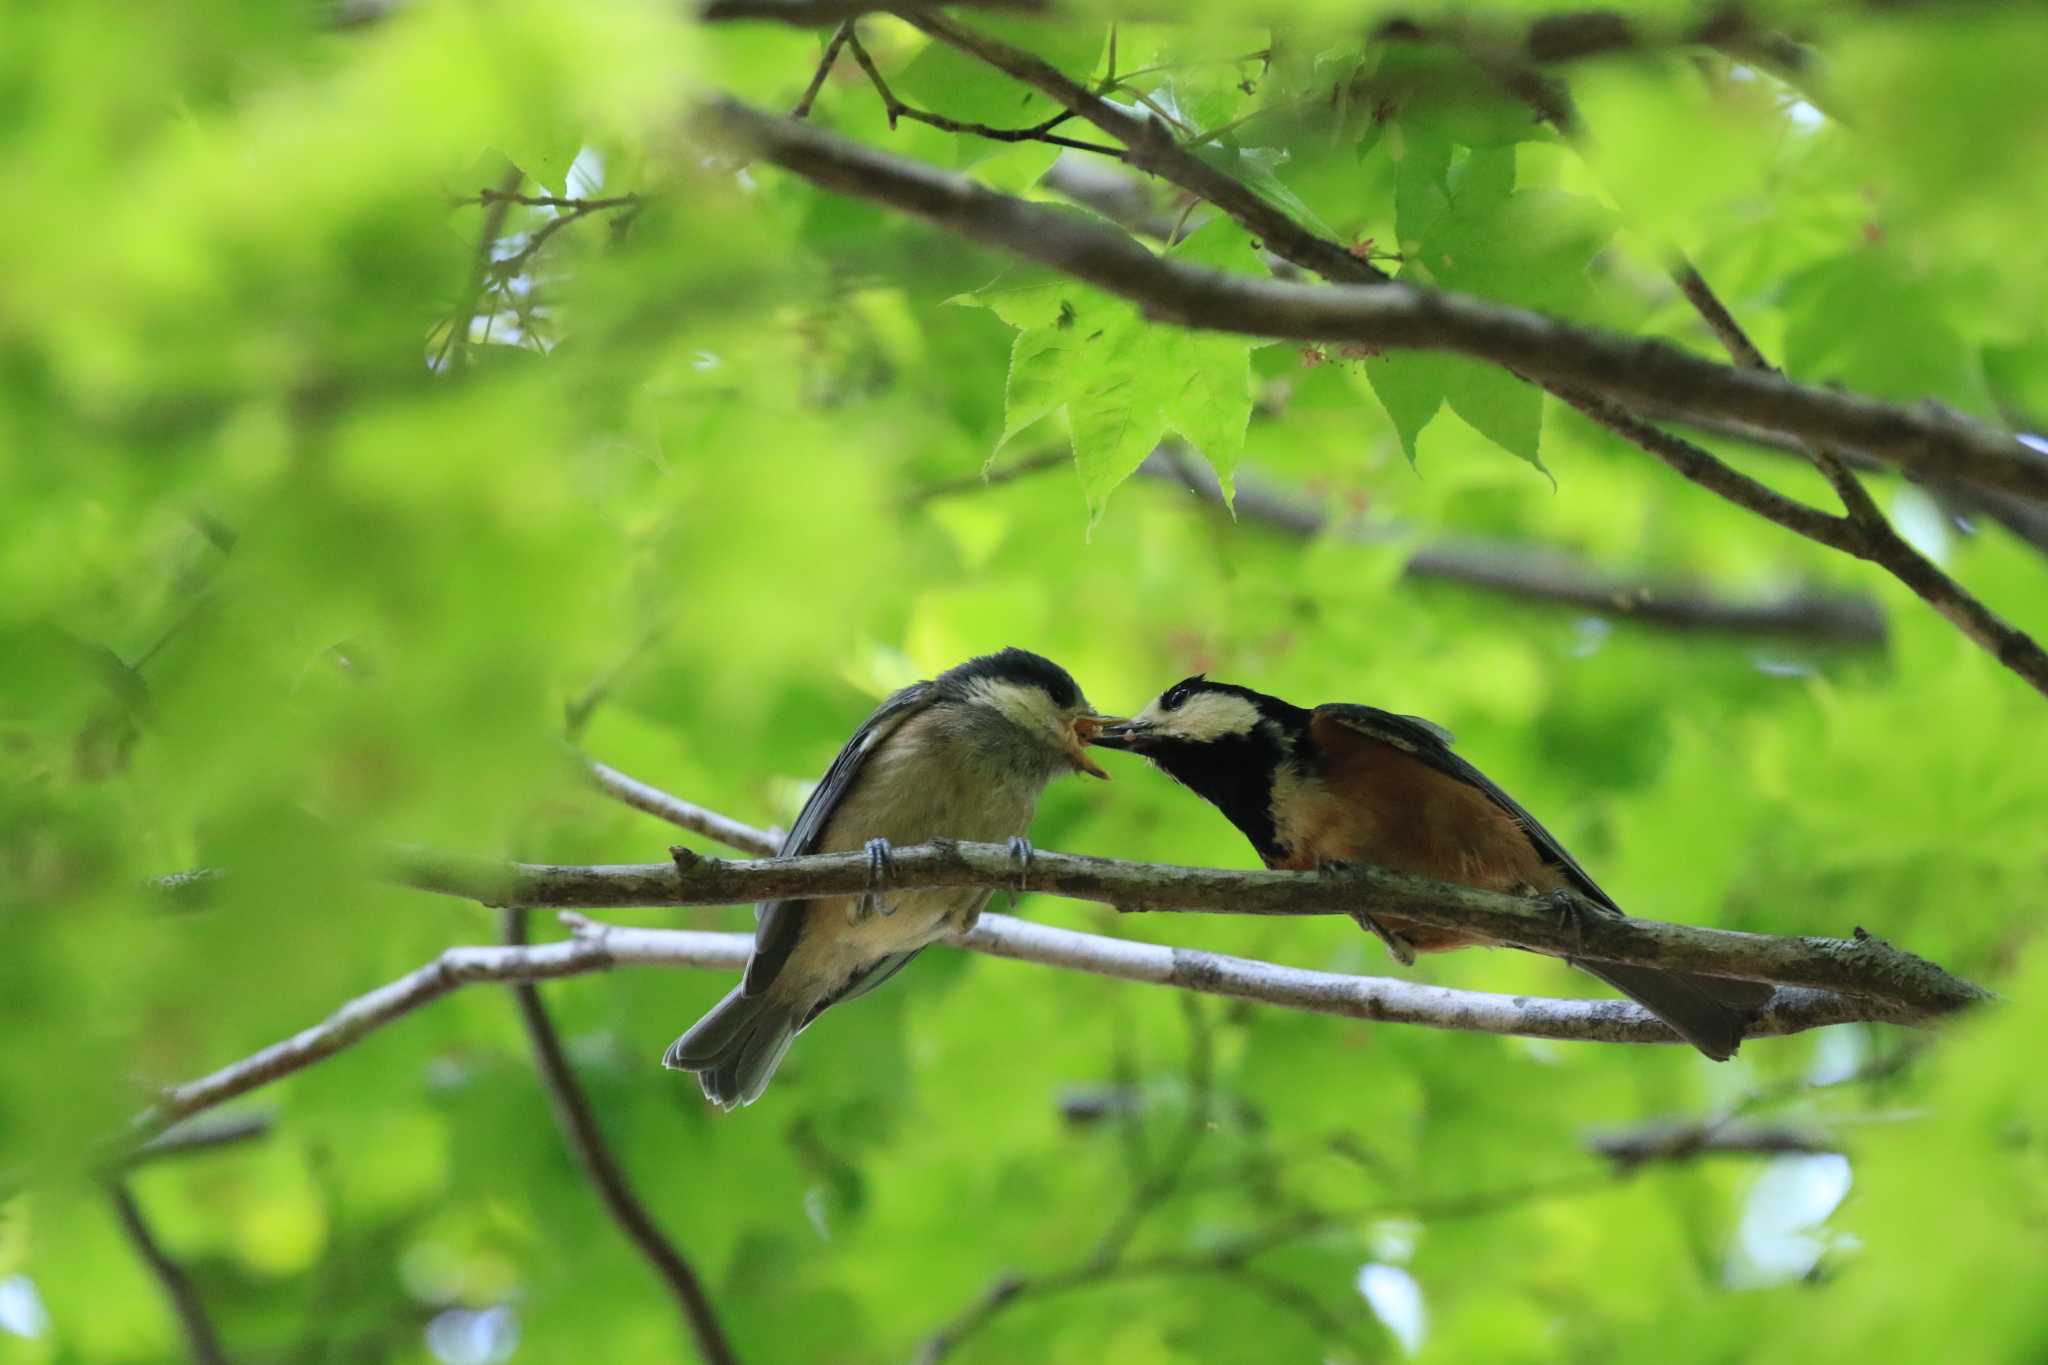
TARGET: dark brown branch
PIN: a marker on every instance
(586, 1141)
(1125, 199)
(1869, 533)
(1150, 146)
(1597, 394)
(1928, 439)
(202, 1342)
(1864, 531)
(1910, 988)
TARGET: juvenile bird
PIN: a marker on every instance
(1341, 783)
(962, 756)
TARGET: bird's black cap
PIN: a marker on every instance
(1016, 666)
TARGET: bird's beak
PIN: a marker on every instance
(1128, 735)
(1083, 734)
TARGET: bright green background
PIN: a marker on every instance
(272, 590)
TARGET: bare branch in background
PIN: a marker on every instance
(1527, 572)
(1687, 1139)
(202, 1342)
(1146, 1190)
(1538, 574)
(586, 1141)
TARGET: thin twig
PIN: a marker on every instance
(554, 201)
(586, 1141)
(202, 1341)
(1145, 1192)
(685, 815)
(896, 109)
(825, 64)
(497, 204)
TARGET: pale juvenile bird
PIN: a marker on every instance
(962, 756)
(1343, 783)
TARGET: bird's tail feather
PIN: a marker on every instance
(1710, 1012)
(736, 1046)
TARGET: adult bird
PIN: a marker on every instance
(1343, 783)
(964, 756)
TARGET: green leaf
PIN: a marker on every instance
(1874, 321)
(1500, 407)
(1411, 386)
(1125, 382)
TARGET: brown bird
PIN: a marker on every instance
(1343, 783)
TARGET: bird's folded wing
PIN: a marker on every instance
(777, 924)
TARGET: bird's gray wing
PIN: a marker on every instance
(779, 922)
(1431, 743)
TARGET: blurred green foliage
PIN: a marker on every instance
(296, 559)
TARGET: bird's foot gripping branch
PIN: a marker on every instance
(1886, 983)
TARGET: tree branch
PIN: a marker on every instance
(1913, 989)
(1150, 146)
(585, 1140)
(202, 1342)
(1528, 572)
(1927, 439)
(1870, 533)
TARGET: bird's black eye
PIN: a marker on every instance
(1174, 696)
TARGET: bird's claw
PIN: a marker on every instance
(1400, 949)
(1023, 854)
(881, 867)
(1570, 912)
